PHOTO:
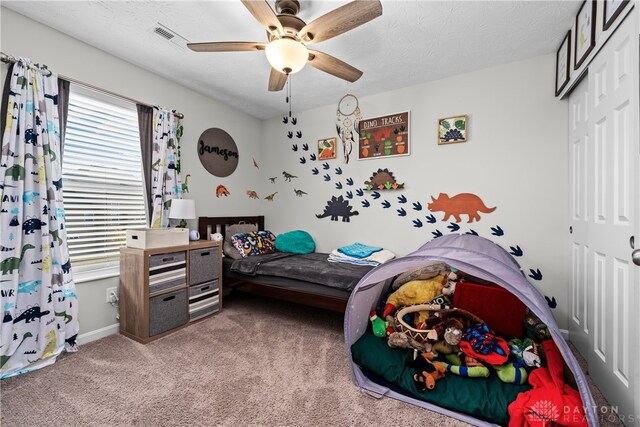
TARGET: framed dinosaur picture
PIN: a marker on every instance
(384, 136)
(452, 129)
(326, 149)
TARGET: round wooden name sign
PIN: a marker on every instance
(217, 152)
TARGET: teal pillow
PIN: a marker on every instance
(295, 242)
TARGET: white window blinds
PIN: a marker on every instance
(102, 176)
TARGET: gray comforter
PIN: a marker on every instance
(309, 268)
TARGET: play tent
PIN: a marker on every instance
(473, 255)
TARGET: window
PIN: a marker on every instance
(102, 179)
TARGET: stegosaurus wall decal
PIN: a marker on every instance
(336, 207)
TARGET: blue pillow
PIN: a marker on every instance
(295, 242)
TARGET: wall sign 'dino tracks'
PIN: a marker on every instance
(217, 152)
(384, 136)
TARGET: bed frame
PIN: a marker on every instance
(253, 285)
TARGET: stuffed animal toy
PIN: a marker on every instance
(525, 350)
(425, 272)
(400, 340)
(464, 366)
(378, 325)
(512, 373)
(483, 344)
(442, 301)
(439, 322)
(427, 372)
(441, 347)
(453, 332)
(450, 286)
(534, 328)
(414, 292)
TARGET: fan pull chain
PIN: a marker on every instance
(286, 92)
(289, 97)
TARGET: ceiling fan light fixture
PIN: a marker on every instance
(287, 55)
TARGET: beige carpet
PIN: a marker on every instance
(258, 362)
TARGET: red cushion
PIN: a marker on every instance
(500, 309)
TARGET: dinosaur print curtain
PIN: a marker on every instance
(165, 167)
(39, 299)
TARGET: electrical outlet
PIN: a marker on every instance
(113, 290)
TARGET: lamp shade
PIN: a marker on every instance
(182, 209)
(287, 55)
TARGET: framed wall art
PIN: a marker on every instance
(384, 136)
(585, 37)
(563, 63)
(326, 149)
(452, 129)
(612, 9)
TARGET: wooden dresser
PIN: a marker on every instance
(163, 289)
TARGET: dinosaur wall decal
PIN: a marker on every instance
(336, 207)
(460, 204)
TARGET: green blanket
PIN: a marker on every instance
(484, 398)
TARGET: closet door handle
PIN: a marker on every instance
(635, 256)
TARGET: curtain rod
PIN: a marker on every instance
(11, 59)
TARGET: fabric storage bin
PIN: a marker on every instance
(203, 265)
(167, 311)
(204, 299)
(157, 238)
(167, 271)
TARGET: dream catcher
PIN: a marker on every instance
(347, 118)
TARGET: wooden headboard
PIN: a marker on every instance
(218, 224)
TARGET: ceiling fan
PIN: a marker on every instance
(288, 37)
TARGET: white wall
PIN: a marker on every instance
(21, 36)
(515, 159)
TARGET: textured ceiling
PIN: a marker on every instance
(412, 42)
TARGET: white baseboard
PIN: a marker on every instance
(98, 333)
(564, 333)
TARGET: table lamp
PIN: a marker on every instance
(182, 209)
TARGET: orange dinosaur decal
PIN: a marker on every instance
(221, 190)
(460, 204)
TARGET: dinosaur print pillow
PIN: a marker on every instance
(228, 248)
(254, 243)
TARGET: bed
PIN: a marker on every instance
(263, 274)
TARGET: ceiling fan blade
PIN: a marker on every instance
(333, 66)
(263, 13)
(225, 46)
(340, 20)
(276, 80)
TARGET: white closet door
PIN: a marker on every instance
(578, 216)
(604, 157)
